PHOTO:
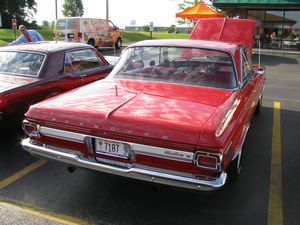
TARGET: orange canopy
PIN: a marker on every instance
(201, 10)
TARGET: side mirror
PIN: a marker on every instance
(260, 71)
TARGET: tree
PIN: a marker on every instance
(72, 8)
(45, 24)
(185, 4)
(171, 29)
(22, 10)
(146, 28)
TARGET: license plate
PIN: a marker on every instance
(112, 148)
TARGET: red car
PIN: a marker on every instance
(174, 112)
(30, 73)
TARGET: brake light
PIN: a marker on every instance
(208, 160)
(31, 129)
(53, 36)
(79, 35)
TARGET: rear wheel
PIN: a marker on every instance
(91, 42)
(235, 167)
(259, 105)
(118, 43)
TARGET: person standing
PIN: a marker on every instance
(27, 36)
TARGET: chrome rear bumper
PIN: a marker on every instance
(136, 173)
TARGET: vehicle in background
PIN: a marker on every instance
(174, 112)
(95, 32)
(30, 73)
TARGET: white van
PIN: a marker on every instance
(96, 32)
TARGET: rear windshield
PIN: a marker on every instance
(66, 24)
(189, 66)
(21, 63)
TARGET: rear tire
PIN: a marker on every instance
(235, 167)
(118, 43)
(91, 42)
(259, 105)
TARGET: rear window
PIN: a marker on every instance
(61, 24)
(189, 66)
(21, 63)
(66, 24)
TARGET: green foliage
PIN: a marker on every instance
(139, 36)
(45, 24)
(185, 4)
(72, 8)
(146, 28)
(22, 10)
(171, 29)
(8, 35)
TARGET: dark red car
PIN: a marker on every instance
(30, 73)
(174, 112)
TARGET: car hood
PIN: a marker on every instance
(145, 110)
(8, 82)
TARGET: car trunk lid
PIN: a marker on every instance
(8, 82)
(147, 110)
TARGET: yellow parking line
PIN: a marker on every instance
(21, 173)
(46, 215)
(275, 191)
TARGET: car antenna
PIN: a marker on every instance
(259, 54)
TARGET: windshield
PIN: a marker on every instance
(21, 63)
(191, 66)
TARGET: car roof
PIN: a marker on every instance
(214, 45)
(44, 46)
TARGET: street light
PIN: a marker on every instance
(107, 15)
(56, 9)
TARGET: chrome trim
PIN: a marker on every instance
(165, 153)
(133, 172)
(66, 135)
(217, 156)
(34, 133)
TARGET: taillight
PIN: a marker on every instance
(79, 35)
(208, 160)
(53, 36)
(31, 129)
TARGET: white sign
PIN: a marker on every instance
(132, 22)
(151, 26)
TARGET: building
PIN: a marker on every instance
(278, 21)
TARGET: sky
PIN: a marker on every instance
(121, 12)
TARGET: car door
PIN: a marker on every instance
(248, 93)
(85, 65)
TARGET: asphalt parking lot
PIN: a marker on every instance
(266, 193)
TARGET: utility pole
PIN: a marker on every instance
(56, 9)
(107, 7)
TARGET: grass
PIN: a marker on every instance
(8, 35)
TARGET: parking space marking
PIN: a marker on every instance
(46, 215)
(21, 173)
(275, 191)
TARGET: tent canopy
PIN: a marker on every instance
(201, 10)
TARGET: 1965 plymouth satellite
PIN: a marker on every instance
(174, 112)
